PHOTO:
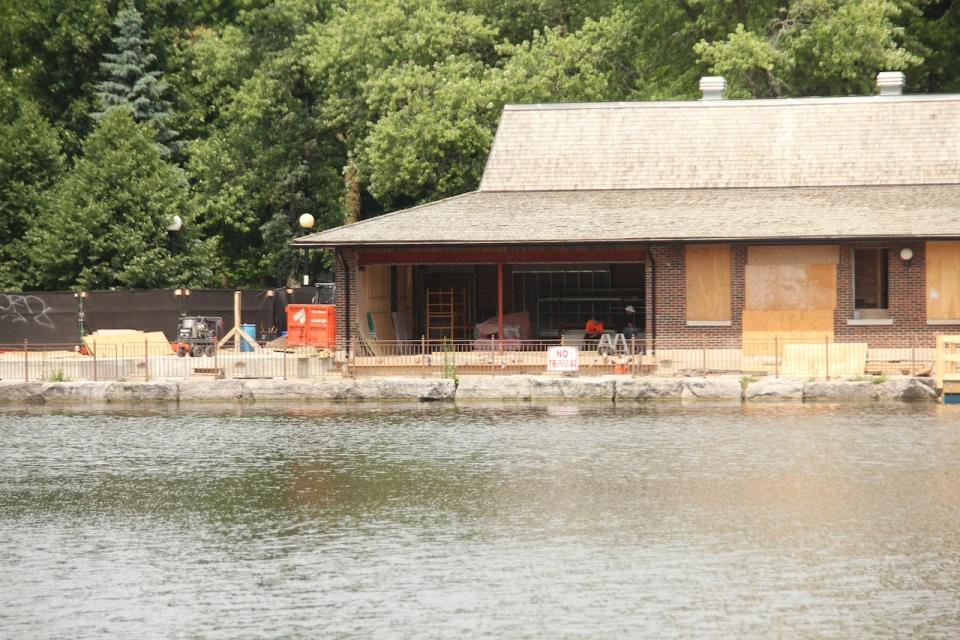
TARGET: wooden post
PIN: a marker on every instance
(776, 356)
(826, 346)
(146, 361)
(423, 350)
(26, 362)
(500, 301)
(703, 345)
(913, 356)
(94, 359)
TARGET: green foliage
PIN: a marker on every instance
(105, 224)
(448, 368)
(815, 47)
(30, 163)
(130, 83)
(338, 107)
(49, 50)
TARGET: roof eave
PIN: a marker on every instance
(346, 244)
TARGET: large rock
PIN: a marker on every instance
(512, 387)
(424, 389)
(719, 388)
(847, 390)
(86, 391)
(201, 390)
(155, 391)
(28, 392)
(908, 389)
(640, 389)
(269, 390)
(775, 389)
(572, 388)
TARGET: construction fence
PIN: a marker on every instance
(142, 360)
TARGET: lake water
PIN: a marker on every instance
(427, 521)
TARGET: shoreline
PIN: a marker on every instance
(611, 389)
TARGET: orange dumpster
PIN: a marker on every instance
(312, 325)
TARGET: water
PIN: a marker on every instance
(441, 522)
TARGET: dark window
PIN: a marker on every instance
(870, 278)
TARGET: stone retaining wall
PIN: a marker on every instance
(620, 389)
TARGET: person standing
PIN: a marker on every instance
(627, 324)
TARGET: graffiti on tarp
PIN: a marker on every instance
(18, 308)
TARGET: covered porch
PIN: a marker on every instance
(488, 299)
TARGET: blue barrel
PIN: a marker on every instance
(250, 330)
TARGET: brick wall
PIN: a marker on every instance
(345, 315)
(906, 287)
(669, 329)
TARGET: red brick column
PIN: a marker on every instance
(345, 314)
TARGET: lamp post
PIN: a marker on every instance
(81, 318)
(176, 223)
(306, 223)
(183, 294)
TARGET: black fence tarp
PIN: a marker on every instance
(46, 317)
(53, 317)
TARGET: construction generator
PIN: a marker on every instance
(198, 336)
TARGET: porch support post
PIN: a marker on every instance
(500, 300)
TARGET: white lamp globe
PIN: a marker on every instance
(176, 223)
(306, 221)
(906, 253)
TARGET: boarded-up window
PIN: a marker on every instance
(790, 294)
(708, 282)
(943, 280)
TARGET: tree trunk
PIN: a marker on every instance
(352, 198)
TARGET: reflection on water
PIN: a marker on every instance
(435, 521)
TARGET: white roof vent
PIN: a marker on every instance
(891, 83)
(712, 87)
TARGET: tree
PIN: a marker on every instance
(30, 163)
(814, 47)
(367, 39)
(105, 224)
(49, 51)
(130, 81)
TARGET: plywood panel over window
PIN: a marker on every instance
(943, 280)
(790, 295)
(791, 286)
(708, 282)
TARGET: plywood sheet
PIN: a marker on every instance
(793, 254)
(119, 341)
(374, 288)
(791, 286)
(765, 332)
(708, 282)
(943, 280)
(383, 326)
(403, 325)
(821, 360)
(786, 320)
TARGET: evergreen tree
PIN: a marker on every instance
(105, 224)
(130, 81)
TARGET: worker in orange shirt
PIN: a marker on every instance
(593, 330)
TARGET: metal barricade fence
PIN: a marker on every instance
(787, 356)
(149, 361)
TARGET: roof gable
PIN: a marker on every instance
(727, 143)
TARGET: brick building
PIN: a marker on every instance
(724, 223)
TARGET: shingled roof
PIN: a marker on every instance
(700, 170)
